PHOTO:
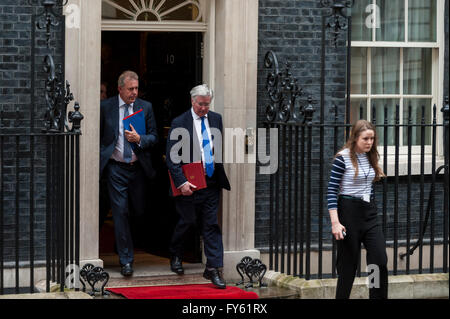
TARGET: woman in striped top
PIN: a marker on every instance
(353, 212)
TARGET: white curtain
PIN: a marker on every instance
(355, 110)
(422, 20)
(385, 70)
(392, 14)
(360, 32)
(359, 71)
(417, 70)
(390, 104)
(416, 118)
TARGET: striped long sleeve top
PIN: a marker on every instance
(343, 181)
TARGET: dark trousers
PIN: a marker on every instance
(360, 220)
(202, 205)
(126, 186)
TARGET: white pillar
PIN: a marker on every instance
(236, 96)
(83, 52)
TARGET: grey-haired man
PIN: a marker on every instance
(125, 168)
(203, 127)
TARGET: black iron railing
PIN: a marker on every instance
(413, 202)
(40, 172)
(299, 222)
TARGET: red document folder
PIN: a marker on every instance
(194, 173)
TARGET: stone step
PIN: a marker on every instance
(137, 281)
(423, 286)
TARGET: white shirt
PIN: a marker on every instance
(118, 151)
(362, 184)
(198, 130)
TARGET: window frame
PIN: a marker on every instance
(164, 25)
(437, 85)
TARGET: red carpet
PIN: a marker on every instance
(205, 291)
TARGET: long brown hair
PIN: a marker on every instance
(373, 155)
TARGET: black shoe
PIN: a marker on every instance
(216, 278)
(176, 265)
(127, 270)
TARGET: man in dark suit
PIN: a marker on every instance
(203, 140)
(125, 169)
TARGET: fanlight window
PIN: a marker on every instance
(152, 10)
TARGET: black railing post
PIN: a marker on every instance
(77, 202)
(48, 217)
(385, 169)
(396, 195)
(277, 207)
(289, 191)
(296, 192)
(31, 211)
(422, 184)
(446, 113)
(309, 113)
(283, 196)
(433, 187)
(408, 194)
(17, 215)
(302, 200)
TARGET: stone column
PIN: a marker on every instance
(236, 92)
(83, 54)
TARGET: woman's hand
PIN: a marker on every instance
(337, 229)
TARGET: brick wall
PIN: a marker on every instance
(16, 114)
(293, 29)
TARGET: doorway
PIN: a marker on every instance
(169, 65)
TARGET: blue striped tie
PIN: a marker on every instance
(126, 144)
(207, 151)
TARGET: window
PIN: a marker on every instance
(152, 10)
(396, 60)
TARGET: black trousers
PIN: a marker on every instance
(202, 205)
(360, 220)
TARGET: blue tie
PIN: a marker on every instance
(207, 151)
(126, 144)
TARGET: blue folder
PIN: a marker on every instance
(136, 119)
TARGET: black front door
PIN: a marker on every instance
(169, 65)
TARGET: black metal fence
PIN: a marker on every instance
(414, 205)
(38, 206)
(413, 200)
(39, 172)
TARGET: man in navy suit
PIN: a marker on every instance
(199, 132)
(125, 169)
